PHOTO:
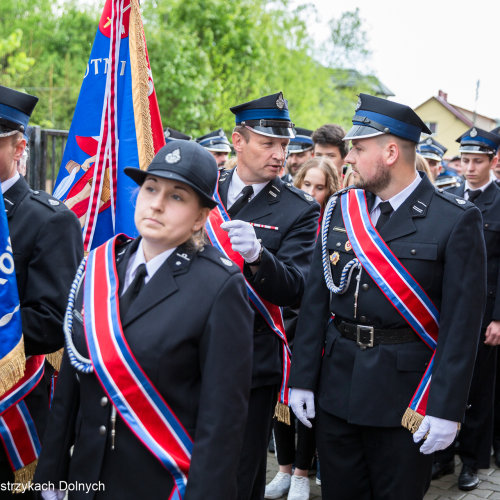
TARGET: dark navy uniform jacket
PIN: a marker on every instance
(190, 331)
(286, 257)
(437, 237)
(47, 247)
(489, 204)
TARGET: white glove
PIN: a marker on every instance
(243, 239)
(441, 434)
(53, 495)
(300, 398)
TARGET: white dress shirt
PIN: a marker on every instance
(396, 201)
(10, 182)
(468, 188)
(152, 266)
(237, 186)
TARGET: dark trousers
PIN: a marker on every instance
(252, 466)
(284, 437)
(369, 463)
(475, 437)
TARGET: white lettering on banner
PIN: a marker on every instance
(95, 64)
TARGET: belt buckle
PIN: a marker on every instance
(364, 329)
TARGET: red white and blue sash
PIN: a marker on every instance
(136, 399)
(17, 429)
(270, 312)
(398, 285)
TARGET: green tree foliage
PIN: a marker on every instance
(206, 55)
(13, 60)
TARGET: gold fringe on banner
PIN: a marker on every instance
(140, 87)
(55, 358)
(282, 413)
(12, 367)
(24, 476)
(411, 420)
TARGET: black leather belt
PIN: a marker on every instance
(369, 336)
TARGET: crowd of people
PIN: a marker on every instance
(335, 290)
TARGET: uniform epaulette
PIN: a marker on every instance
(454, 199)
(340, 192)
(47, 200)
(210, 253)
(300, 193)
(223, 175)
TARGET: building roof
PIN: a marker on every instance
(464, 115)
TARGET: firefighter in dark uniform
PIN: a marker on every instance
(47, 247)
(175, 135)
(273, 228)
(300, 150)
(478, 150)
(185, 316)
(354, 348)
(218, 144)
(433, 152)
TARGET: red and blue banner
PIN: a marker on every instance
(398, 285)
(116, 124)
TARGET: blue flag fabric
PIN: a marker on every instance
(11, 345)
(103, 137)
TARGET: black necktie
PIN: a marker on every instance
(133, 290)
(244, 198)
(473, 194)
(385, 213)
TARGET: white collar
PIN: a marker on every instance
(10, 182)
(152, 266)
(397, 200)
(482, 188)
(237, 186)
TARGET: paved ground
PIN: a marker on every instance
(442, 489)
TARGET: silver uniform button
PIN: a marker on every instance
(365, 286)
(104, 401)
(413, 251)
(102, 430)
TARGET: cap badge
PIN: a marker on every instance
(221, 133)
(358, 104)
(167, 133)
(174, 156)
(473, 132)
(428, 141)
(280, 102)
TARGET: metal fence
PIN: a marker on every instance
(46, 148)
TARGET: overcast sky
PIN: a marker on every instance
(420, 47)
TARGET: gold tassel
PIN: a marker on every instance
(140, 86)
(24, 476)
(12, 367)
(411, 420)
(282, 413)
(55, 358)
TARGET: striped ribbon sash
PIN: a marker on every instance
(270, 312)
(136, 399)
(397, 284)
(17, 429)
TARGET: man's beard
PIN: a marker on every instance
(377, 183)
